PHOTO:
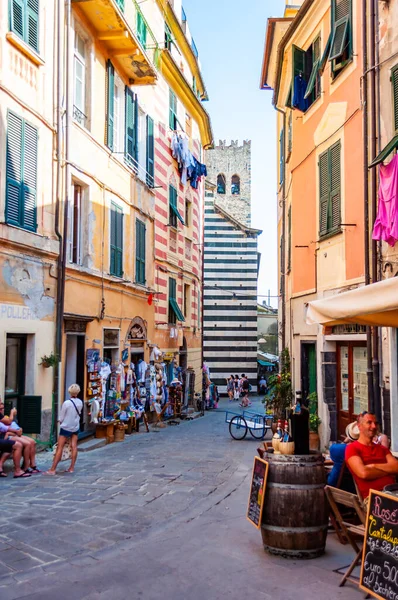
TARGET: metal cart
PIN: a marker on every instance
(241, 423)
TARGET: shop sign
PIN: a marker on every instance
(125, 354)
(16, 311)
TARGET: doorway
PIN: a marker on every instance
(308, 369)
(352, 383)
(74, 371)
(15, 374)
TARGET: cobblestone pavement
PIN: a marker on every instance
(160, 515)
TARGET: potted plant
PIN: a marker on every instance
(49, 361)
(280, 388)
(315, 421)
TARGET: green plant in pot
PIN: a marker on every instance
(49, 360)
(280, 388)
(315, 421)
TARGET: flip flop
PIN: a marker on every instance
(22, 475)
(2, 474)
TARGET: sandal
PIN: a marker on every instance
(34, 470)
(24, 474)
(2, 474)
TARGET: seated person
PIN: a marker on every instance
(8, 447)
(372, 465)
(29, 463)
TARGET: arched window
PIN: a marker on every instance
(220, 183)
(235, 184)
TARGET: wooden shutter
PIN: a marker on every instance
(323, 192)
(29, 413)
(29, 177)
(120, 3)
(140, 251)
(141, 29)
(110, 103)
(131, 127)
(298, 61)
(394, 80)
(14, 170)
(32, 21)
(17, 17)
(341, 29)
(150, 151)
(116, 258)
(172, 110)
(335, 185)
(172, 288)
(289, 241)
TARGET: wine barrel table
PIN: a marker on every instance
(295, 514)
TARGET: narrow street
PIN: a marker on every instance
(161, 515)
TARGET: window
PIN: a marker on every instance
(140, 239)
(188, 207)
(79, 70)
(173, 207)
(393, 143)
(116, 262)
(110, 104)
(21, 173)
(175, 313)
(187, 300)
(75, 225)
(281, 156)
(167, 37)
(341, 35)
(131, 129)
(312, 75)
(24, 21)
(150, 152)
(306, 79)
(235, 184)
(172, 110)
(289, 240)
(221, 183)
(120, 4)
(330, 190)
(118, 118)
(141, 29)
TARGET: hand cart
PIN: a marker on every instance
(241, 423)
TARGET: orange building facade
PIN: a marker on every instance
(312, 63)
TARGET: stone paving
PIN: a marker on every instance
(163, 510)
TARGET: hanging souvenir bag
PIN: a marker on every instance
(66, 450)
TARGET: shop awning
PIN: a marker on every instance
(375, 304)
(264, 363)
(176, 309)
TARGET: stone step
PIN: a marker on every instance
(91, 444)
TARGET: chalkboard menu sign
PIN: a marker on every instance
(257, 491)
(379, 568)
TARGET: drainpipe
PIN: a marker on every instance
(373, 195)
(369, 366)
(283, 253)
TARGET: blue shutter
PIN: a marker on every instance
(110, 103)
(14, 169)
(150, 152)
(32, 22)
(131, 139)
(29, 177)
(141, 29)
(17, 17)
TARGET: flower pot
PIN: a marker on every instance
(314, 441)
(45, 364)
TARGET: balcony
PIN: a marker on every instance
(124, 34)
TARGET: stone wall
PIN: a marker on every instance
(229, 161)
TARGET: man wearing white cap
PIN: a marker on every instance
(372, 465)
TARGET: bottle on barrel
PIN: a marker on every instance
(279, 431)
(286, 435)
(300, 427)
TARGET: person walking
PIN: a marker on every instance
(230, 388)
(236, 387)
(69, 419)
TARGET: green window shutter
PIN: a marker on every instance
(339, 39)
(172, 110)
(281, 156)
(32, 22)
(335, 185)
(289, 249)
(116, 258)
(174, 212)
(120, 4)
(17, 14)
(150, 152)
(312, 79)
(110, 103)
(29, 413)
(288, 102)
(14, 170)
(131, 125)
(298, 61)
(394, 80)
(172, 297)
(29, 177)
(341, 42)
(323, 193)
(325, 55)
(141, 29)
(140, 251)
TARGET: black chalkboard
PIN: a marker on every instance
(379, 568)
(257, 491)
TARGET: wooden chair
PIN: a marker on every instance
(349, 530)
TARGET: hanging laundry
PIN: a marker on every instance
(189, 168)
(386, 224)
(299, 89)
(199, 170)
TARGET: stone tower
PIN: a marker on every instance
(229, 168)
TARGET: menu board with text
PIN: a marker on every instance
(257, 491)
(379, 567)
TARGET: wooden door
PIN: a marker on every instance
(351, 385)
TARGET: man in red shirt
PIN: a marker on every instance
(372, 465)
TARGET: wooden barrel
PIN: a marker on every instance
(295, 515)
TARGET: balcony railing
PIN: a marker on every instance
(79, 117)
(139, 170)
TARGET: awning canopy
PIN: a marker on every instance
(375, 304)
(265, 363)
(176, 309)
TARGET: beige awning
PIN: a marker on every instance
(375, 304)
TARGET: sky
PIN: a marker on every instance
(230, 39)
